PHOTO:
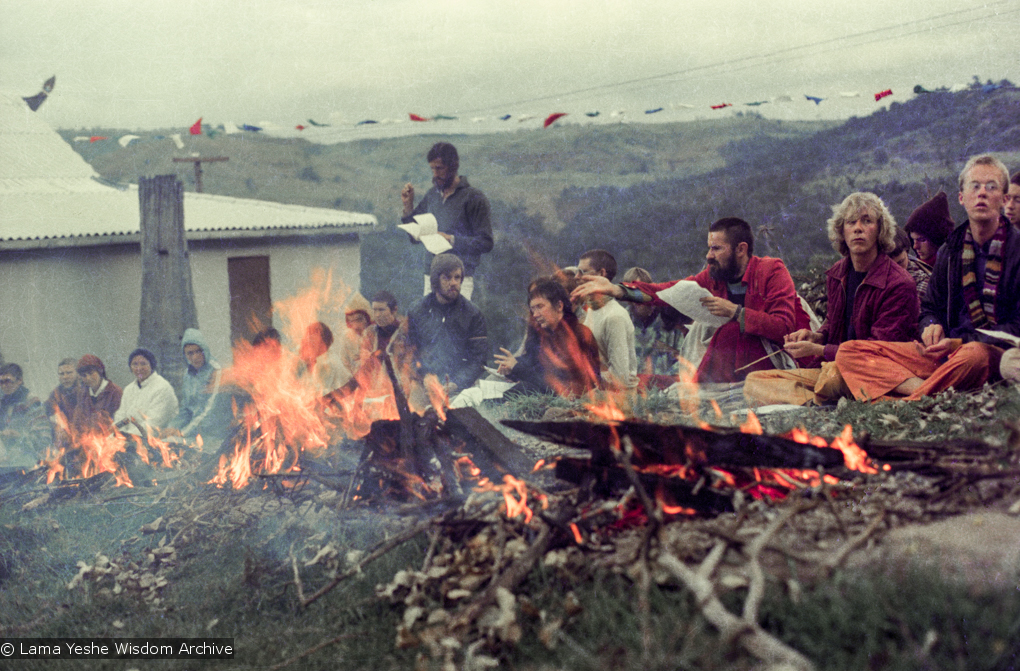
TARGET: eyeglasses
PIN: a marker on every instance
(7, 380)
(990, 187)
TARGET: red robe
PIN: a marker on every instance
(770, 312)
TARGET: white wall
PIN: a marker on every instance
(69, 302)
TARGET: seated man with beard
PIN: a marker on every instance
(756, 294)
(560, 354)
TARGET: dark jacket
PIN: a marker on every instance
(465, 215)
(450, 339)
(564, 361)
(943, 302)
(885, 306)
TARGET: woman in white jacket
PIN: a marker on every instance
(150, 400)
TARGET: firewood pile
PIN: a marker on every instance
(698, 508)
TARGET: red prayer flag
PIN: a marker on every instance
(549, 120)
(196, 128)
(719, 107)
(415, 117)
(97, 138)
(879, 96)
(299, 127)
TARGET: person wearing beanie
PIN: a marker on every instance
(98, 398)
(149, 401)
(462, 212)
(447, 331)
(929, 226)
(204, 409)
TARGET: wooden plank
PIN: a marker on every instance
(168, 301)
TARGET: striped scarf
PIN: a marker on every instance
(982, 307)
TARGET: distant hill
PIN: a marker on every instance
(645, 192)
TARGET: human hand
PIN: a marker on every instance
(596, 284)
(505, 362)
(407, 198)
(720, 307)
(940, 349)
(799, 349)
(803, 334)
(932, 334)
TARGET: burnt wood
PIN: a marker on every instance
(609, 481)
(491, 451)
(661, 444)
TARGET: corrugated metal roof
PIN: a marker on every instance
(48, 191)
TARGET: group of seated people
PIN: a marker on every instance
(87, 402)
(898, 326)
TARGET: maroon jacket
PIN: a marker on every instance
(96, 413)
(885, 306)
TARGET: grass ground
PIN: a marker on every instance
(232, 577)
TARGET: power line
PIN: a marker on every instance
(743, 59)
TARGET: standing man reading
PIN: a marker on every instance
(975, 285)
(461, 212)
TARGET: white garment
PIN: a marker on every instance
(152, 404)
(614, 332)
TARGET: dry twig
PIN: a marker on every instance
(380, 550)
(751, 636)
(310, 651)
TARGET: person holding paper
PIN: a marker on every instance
(974, 286)
(461, 212)
(752, 297)
(870, 297)
(560, 353)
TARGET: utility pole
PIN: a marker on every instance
(168, 301)
(198, 161)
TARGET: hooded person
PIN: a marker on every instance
(204, 408)
(929, 225)
(149, 401)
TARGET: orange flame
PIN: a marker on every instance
(437, 395)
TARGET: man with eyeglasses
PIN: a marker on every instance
(24, 428)
(975, 285)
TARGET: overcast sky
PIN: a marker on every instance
(131, 64)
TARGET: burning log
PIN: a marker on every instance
(657, 444)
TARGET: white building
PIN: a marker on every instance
(70, 262)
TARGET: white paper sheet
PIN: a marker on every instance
(425, 229)
(686, 297)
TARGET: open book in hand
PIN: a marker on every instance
(685, 296)
(425, 229)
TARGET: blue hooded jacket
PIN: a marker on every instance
(205, 409)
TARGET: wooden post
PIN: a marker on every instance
(168, 302)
